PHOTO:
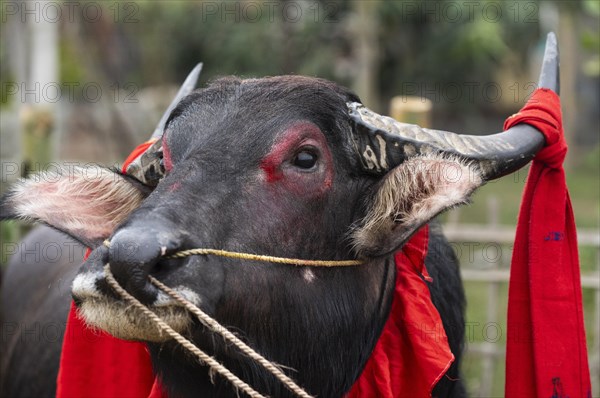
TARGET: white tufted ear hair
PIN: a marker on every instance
(409, 196)
(85, 203)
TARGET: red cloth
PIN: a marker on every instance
(95, 364)
(546, 352)
(412, 353)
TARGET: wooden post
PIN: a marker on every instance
(38, 110)
(34, 65)
(10, 126)
(412, 110)
(367, 51)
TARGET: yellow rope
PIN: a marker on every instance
(270, 259)
(259, 257)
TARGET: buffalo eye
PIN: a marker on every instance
(305, 160)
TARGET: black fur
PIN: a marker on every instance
(34, 301)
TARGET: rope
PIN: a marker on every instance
(259, 257)
(188, 345)
(215, 326)
(271, 259)
(227, 335)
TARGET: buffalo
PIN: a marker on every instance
(288, 166)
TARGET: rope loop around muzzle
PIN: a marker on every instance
(260, 257)
(212, 324)
(269, 259)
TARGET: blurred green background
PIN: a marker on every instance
(87, 81)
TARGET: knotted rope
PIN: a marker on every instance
(215, 326)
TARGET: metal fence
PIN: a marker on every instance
(495, 273)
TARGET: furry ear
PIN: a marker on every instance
(409, 196)
(86, 203)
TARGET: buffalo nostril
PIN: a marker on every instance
(133, 254)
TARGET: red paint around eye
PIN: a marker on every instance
(166, 155)
(271, 171)
(272, 162)
(298, 135)
(282, 148)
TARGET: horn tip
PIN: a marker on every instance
(550, 76)
(198, 67)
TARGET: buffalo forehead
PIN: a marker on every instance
(232, 116)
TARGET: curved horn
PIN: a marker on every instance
(384, 143)
(146, 167)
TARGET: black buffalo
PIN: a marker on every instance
(287, 166)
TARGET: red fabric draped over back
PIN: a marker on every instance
(412, 353)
